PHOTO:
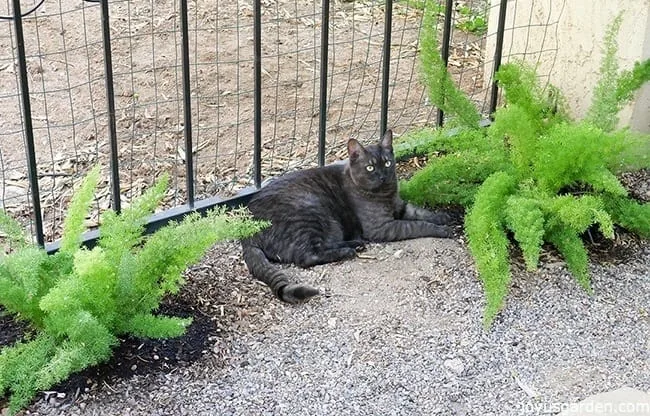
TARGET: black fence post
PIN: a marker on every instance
(257, 95)
(187, 104)
(27, 124)
(444, 48)
(388, 30)
(498, 51)
(322, 107)
(110, 103)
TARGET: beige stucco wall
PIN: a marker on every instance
(564, 38)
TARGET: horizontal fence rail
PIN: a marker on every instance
(326, 33)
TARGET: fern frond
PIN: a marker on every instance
(441, 88)
(428, 141)
(66, 360)
(488, 241)
(524, 217)
(605, 222)
(171, 249)
(603, 180)
(521, 88)
(577, 214)
(630, 81)
(420, 142)
(12, 231)
(89, 343)
(17, 369)
(570, 245)
(629, 214)
(520, 132)
(633, 154)
(97, 276)
(416, 143)
(519, 83)
(73, 225)
(21, 283)
(570, 153)
(125, 289)
(451, 178)
(119, 233)
(65, 296)
(438, 182)
(150, 326)
(605, 104)
(96, 339)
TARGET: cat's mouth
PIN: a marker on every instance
(385, 186)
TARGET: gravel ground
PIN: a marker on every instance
(400, 333)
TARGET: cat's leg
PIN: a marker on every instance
(395, 230)
(279, 282)
(412, 212)
(323, 256)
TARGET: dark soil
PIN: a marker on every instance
(11, 330)
(637, 183)
(135, 356)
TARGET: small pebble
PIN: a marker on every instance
(455, 365)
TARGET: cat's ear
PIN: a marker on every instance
(354, 149)
(387, 141)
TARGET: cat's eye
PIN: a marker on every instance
(370, 168)
(388, 163)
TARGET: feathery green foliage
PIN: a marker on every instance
(451, 180)
(630, 81)
(442, 90)
(614, 89)
(629, 214)
(525, 218)
(79, 301)
(486, 235)
(73, 225)
(533, 171)
(605, 93)
(12, 232)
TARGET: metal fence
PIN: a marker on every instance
(219, 94)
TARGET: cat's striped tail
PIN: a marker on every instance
(262, 269)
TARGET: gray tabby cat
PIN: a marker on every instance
(325, 214)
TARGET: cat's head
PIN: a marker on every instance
(373, 167)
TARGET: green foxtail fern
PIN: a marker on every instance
(79, 301)
(533, 171)
(441, 88)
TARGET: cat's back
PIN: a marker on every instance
(316, 190)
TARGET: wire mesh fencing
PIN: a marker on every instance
(186, 101)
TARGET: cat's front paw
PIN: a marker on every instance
(358, 245)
